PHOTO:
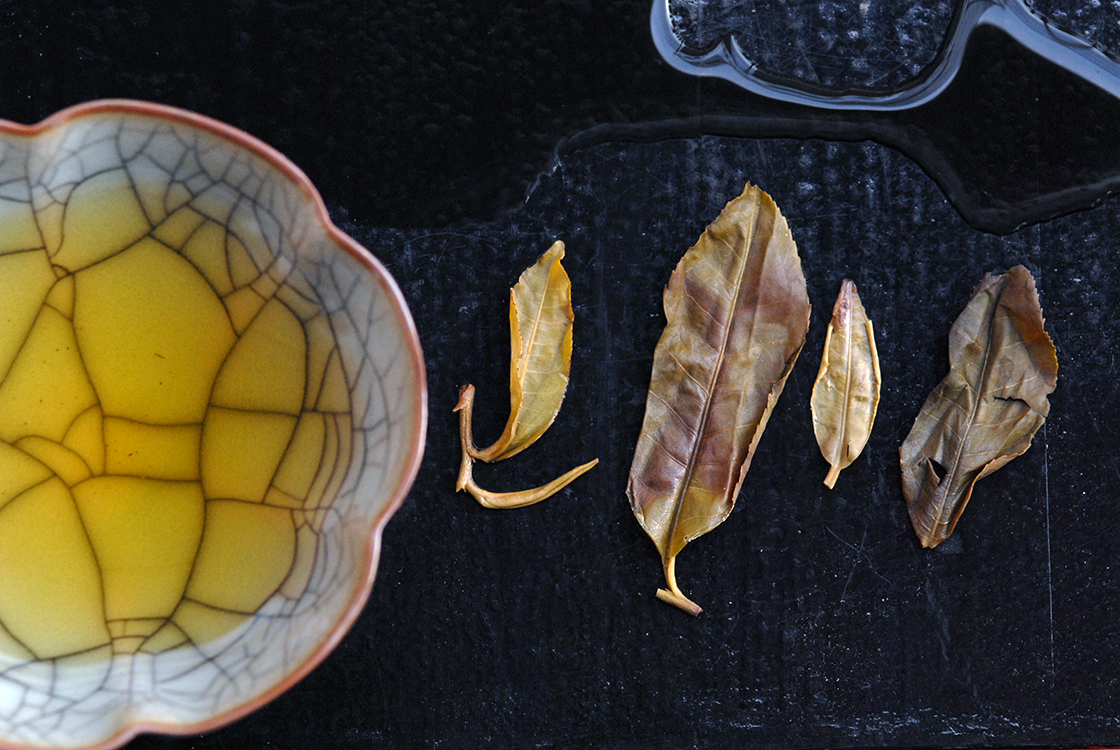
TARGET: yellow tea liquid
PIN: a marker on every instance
(174, 423)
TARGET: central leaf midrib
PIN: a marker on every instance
(707, 407)
(533, 332)
(954, 469)
(846, 403)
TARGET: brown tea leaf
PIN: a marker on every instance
(540, 322)
(737, 311)
(1002, 366)
(500, 499)
(846, 392)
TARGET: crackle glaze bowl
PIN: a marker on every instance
(211, 401)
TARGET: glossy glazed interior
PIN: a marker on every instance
(210, 401)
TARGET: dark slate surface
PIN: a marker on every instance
(825, 624)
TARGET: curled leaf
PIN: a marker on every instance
(1002, 367)
(737, 311)
(500, 499)
(540, 322)
(846, 392)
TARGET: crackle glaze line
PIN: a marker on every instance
(191, 427)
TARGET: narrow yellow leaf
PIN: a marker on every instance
(540, 317)
(846, 392)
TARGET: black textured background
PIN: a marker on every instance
(424, 124)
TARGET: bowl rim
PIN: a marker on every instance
(131, 729)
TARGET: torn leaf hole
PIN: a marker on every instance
(939, 470)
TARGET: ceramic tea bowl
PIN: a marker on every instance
(211, 401)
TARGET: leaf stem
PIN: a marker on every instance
(673, 595)
(526, 497)
(500, 500)
(833, 474)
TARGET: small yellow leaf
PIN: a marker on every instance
(846, 392)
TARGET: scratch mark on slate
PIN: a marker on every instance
(1049, 566)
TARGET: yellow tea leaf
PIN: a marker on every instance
(846, 392)
(540, 321)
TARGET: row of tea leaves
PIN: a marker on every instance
(737, 312)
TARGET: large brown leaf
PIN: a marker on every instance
(846, 392)
(737, 312)
(1002, 366)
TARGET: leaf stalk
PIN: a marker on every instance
(500, 500)
(673, 595)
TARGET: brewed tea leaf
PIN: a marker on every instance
(489, 499)
(540, 322)
(1002, 367)
(737, 311)
(846, 392)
